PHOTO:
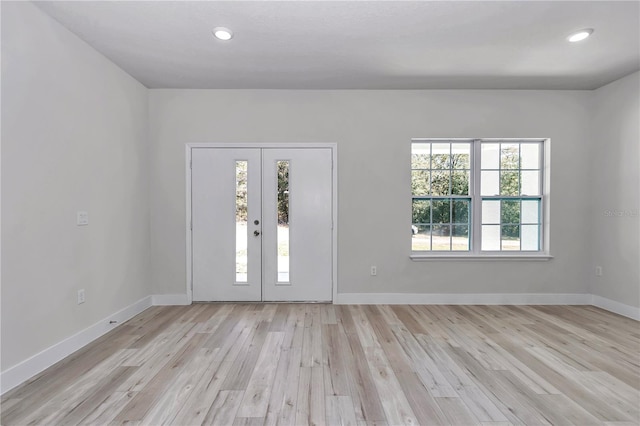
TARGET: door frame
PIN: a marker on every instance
(334, 201)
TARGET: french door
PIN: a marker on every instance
(262, 224)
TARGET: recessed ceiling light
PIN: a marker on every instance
(580, 35)
(222, 33)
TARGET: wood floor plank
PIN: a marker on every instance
(224, 408)
(296, 364)
(213, 322)
(258, 391)
(312, 339)
(51, 382)
(365, 332)
(502, 392)
(206, 390)
(171, 345)
(108, 409)
(422, 364)
(243, 367)
(284, 394)
(456, 412)
(176, 395)
(421, 402)
(138, 407)
(74, 394)
(310, 407)
(280, 317)
(334, 362)
(361, 384)
(480, 405)
(248, 421)
(340, 411)
(106, 386)
(394, 401)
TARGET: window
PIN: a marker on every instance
(477, 197)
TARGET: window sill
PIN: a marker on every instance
(480, 257)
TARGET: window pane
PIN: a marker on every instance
(530, 211)
(490, 156)
(441, 211)
(440, 182)
(510, 237)
(530, 156)
(460, 182)
(460, 238)
(420, 182)
(490, 237)
(510, 212)
(421, 238)
(460, 155)
(441, 237)
(440, 156)
(530, 237)
(420, 156)
(242, 236)
(421, 211)
(491, 212)
(509, 156)
(489, 183)
(509, 184)
(283, 221)
(530, 183)
(460, 211)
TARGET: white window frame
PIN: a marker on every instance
(475, 252)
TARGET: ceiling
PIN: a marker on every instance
(361, 44)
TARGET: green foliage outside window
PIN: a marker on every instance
(442, 175)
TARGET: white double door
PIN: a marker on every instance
(262, 224)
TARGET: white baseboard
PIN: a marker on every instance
(462, 299)
(28, 368)
(170, 299)
(632, 312)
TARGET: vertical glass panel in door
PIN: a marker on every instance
(241, 222)
(283, 222)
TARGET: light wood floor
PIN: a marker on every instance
(292, 364)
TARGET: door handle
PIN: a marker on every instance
(256, 233)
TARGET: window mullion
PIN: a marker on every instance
(476, 199)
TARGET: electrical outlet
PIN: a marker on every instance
(598, 271)
(81, 296)
(374, 271)
(82, 218)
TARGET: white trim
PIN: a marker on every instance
(476, 257)
(170, 299)
(334, 162)
(475, 251)
(265, 145)
(463, 299)
(39, 362)
(632, 312)
(334, 220)
(188, 225)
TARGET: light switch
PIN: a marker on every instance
(83, 218)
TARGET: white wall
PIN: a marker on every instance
(74, 137)
(615, 191)
(373, 130)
